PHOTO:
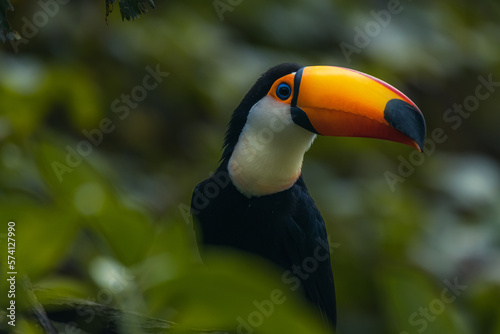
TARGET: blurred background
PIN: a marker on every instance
(105, 129)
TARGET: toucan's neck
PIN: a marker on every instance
(268, 155)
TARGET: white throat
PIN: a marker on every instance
(268, 155)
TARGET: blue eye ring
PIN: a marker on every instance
(283, 91)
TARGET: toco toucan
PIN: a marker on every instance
(257, 200)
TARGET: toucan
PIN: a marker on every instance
(257, 201)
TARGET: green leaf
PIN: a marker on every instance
(128, 233)
(42, 235)
(234, 291)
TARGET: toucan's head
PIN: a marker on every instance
(324, 100)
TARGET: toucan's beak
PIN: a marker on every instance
(335, 101)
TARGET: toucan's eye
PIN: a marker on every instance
(283, 91)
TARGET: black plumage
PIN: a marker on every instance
(285, 228)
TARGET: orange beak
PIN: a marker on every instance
(335, 101)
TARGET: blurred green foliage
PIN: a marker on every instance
(112, 225)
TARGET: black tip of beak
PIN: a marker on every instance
(405, 118)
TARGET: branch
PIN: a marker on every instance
(72, 314)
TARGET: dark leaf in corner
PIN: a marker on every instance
(130, 9)
(6, 31)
